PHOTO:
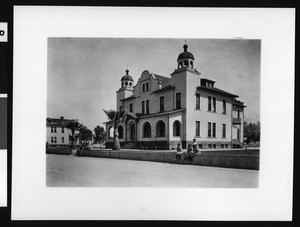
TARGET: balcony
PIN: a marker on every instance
(236, 120)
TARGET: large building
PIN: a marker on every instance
(164, 111)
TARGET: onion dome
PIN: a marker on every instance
(185, 54)
(127, 77)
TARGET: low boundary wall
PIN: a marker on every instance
(216, 160)
(61, 150)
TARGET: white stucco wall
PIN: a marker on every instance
(205, 116)
(58, 136)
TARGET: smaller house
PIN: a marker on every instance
(58, 135)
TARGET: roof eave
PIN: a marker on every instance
(218, 91)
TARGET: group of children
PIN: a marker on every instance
(192, 150)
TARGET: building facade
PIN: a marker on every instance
(164, 111)
(57, 133)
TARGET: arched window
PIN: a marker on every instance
(191, 64)
(186, 63)
(176, 128)
(126, 83)
(111, 132)
(160, 129)
(130, 83)
(180, 64)
(147, 130)
(120, 131)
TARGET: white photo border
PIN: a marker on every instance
(32, 200)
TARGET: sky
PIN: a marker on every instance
(83, 74)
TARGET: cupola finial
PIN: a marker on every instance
(185, 47)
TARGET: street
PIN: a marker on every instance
(75, 171)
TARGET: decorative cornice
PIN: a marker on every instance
(185, 69)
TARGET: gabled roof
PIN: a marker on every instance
(216, 90)
(165, 81)
(169, 87)
(57, 121)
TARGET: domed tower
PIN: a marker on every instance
(127, 81)
(185, 59)
(126, 89)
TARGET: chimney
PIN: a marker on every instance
(159, 84)
(62, 117)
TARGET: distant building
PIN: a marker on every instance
(164, 111)
(57, 132)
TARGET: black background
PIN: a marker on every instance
(6, 74)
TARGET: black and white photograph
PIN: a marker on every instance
(120, 113)
(140, 112)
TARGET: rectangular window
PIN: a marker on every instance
(162, 104)
(143, 87)
(200, 146)
(62, 140)
(55, 140)
(143, 107)
(224, 106)
(51, 139)
(214, 105)
(238, 134)
(224, 130)
(147, 86)
(51, 129)
(222, 145)
(62, 130)
(54, 129)
(197, 128)
(209, 129)
(178, 100)
(226, 145)
(214, 130)
(197, 101)
(209, 103)
(238, 116)
(209, 146)
(131, 107)
(147, 106)
(214, 146)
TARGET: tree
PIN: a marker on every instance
(100, 134)
(85, 134)
(117, 117)
(73, 126)
(252, 131)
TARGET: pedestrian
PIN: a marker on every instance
(179, 152)
(196, 149)
(189, 155)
